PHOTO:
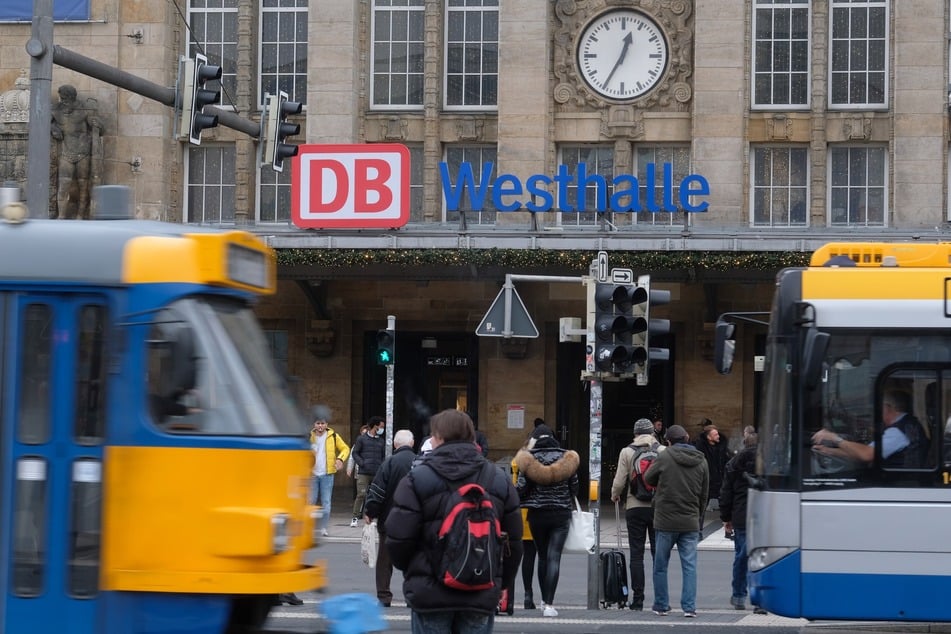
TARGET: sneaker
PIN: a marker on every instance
(291, 599)
(690, 614)
(661, 612)
(738, 603)
(324, 532)
(354, 522)
(637, 605)
(759, 610)
(549, 611)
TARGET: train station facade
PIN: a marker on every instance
(724, 141)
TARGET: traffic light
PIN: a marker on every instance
(643, 300)
(194, 97)
(724, 345)
(278, 108)
(385, 347)
(613, 325)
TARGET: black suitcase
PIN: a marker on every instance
(614, 571)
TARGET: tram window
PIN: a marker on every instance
(908, 420)
(36, 350)
(91, 376)
(84, 528)
(29, 527)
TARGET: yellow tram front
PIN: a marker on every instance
(155, 469)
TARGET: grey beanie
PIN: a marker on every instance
(643, 426)
(320, 412)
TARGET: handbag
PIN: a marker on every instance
(369, 544)
(581, 538)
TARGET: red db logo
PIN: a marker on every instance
(352, 186)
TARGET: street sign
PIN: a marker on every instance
(520, 322)
(602, 266)
(622, 276)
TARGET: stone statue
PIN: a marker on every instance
(76, 155)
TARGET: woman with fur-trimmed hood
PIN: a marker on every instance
(547, 485)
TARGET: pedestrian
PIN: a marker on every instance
(682, 478)
(528, 544)
(418, 511)
(716, 450)
(733, 495)
(352, 469)
(638, 514)
(380, 500)
(481, 441)
(547, 485)
(368, 452)
(659, 431)
(330, 454)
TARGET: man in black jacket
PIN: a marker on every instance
(368, 452)
(733, 495)
(380, 500)
(414, 520)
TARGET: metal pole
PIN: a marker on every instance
(390, 372)
(594, 492)
(41, 79)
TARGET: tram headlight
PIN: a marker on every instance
(762, 557)
(280, 534)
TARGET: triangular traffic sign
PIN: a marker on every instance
(521, 324)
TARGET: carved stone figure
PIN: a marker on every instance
(76, 154)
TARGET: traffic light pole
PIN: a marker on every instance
(594, 485)
(390, 372)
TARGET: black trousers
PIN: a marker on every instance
(640, 524)
(549, 530)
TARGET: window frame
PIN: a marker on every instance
(228, 84)
(832, 187)
(855, 5)
(296, 85)
(454, 9)
(190, 152)
(411, 7)
(588, 218)
(772, 188)
(774, 5)
(488, 209)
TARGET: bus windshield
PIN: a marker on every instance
(235, 389)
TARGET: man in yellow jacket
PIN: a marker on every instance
(330, 455)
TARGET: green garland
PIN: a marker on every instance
(542, 258)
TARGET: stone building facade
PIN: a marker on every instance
(811, 120)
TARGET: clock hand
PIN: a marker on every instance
(628, 40)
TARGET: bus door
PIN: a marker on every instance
(52, 409)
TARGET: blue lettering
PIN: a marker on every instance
(534, 190)
(600, 189)
(466, 179)
(563, 178)
(621, 194)
(687, 190)
(506, 185)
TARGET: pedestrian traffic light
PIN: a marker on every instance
(644, 299)
(194, 97)
(277, 109)
(385, 347)
(613, 325)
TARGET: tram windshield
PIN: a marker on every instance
(871, 381)
(228, 385)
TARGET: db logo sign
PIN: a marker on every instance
(351, 186)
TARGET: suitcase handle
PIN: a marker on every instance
(617, 523)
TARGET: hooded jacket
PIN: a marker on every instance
(735, 487)
(682, 478)
(413, 523)
(547, 476)
(625, 463)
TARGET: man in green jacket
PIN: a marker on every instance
(682, 479)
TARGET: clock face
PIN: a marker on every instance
(622, 54)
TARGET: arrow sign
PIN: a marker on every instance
(519, 324)
(622, 276)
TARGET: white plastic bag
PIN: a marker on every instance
(369, 544)
(581, 538)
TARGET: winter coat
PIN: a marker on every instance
(414, 520)
(682, 478)
(547, 477)
(717, 456)
(336, 449)
(388, 476)
(735, 487)
(625, 464)
(368, 453)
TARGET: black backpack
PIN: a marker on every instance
(644, 457)
(468, 553)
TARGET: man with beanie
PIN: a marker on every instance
(682, 479)
(637, 513)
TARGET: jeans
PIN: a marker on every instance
(549, 531)
(451, 623)
(640, 524)
(687, 549)
(322, 494)
(740, 563)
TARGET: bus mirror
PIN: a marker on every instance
(183, 360)
(814, 354)
(724, 346)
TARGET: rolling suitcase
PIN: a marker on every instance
(614, 571)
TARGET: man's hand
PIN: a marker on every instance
(615, 498)
(338, 463)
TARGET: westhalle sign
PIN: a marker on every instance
(368, 186)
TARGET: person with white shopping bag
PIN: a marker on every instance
(547, 486)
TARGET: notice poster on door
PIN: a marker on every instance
(516, 417)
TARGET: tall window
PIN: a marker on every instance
(476, 201)
(780, 186)
(274, 189)
(857, 186)
(781, 54)
(679, 159)
(214, 33)
(859, 54)
(211, 184)
(597, 188)
(283, 48)
(472, 54)
(397, 61)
